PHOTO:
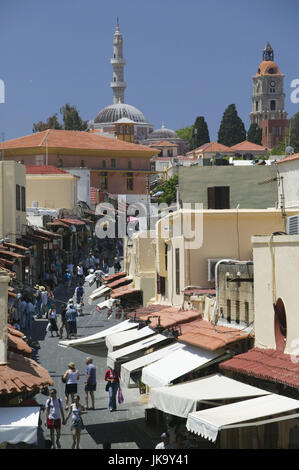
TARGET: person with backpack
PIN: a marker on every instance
(79, 292)
(54, 417)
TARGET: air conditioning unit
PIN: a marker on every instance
(211, 268)
(293, 225)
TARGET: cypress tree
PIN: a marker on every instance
(254, 134)
(232, 129)
(200, 133)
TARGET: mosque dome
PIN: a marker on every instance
(118, 111)
(163, 133)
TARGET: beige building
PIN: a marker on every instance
(50, 187)
(189, 243)
(12, 200)
(4, 280)
(139, 255)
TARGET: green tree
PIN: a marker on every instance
(255, 134)
(232, 129)
(169, 190)
(185, 133)
(294, 132)
(51, 123)
(280, 149)
(71, 119)
(200, 134)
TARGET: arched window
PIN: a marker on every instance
(280, 325)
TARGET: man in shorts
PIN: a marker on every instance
(90, 382)
(54, 416)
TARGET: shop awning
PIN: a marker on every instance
(72, 221)
(208, 423)
(96, 342)
(177, 364)
(124, 338)
(97, 293)
(182, 399)
(19, 424)
(123, 292)
(137, 364)
(124, 354)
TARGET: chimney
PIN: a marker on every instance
(4, 280)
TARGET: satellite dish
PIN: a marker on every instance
(289, 150)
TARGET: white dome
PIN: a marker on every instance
(115, 112)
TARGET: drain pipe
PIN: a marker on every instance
(222, 261)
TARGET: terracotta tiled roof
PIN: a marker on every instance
(123, 291)
(45, 170)
(12, 254)
(212, 147)
(247, 146)
(203, 334)
(148, 310)
(22, 374)
(18, 345)
(171, 316)
(119, 282)
(73, 140)
(115, 276)
(202, 291)
(15, 332)
(72, 221)
(290, 158)
(266, 364)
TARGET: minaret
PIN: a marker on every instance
(118, 84)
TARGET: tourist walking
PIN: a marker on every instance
(76, 411)
(63, 322)
(79, 293)
(71, 378)
(52, 315)
(23, 307)
(71, 318)
(112, 379)
(67, 279)
(117, 265)
(38, 301)
(164, 444)
(29, 312)
(100, 276)
(54, 417)
(80, 272)
(44, 304)
(90, 382)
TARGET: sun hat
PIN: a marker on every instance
(71, 365)
(71, 301)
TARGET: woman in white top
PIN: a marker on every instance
(52, 319)
(70, 378)
(76, 410)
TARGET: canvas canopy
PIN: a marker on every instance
(177, 364)
(97, 293)
(123, 354)
(19, 424)
(208, 423)
(130, 367)
(99, 338)
(121, 339)
(182, 399)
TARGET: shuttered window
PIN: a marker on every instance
(218, 197)
(177, 271)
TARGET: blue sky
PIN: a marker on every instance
(184, 58)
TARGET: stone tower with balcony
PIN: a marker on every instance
(268, 98)
(118, 84)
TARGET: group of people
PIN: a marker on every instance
(54, 410)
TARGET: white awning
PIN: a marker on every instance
(100, 336)
(118, 340)
(182, 399)
(137, 364)
(19, 424)
(208, 423)
(175, 365)
(98, 293)
(123, 354)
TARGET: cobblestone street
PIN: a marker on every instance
(125, 428)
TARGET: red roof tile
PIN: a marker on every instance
(22, 374)
(119, 282)
(248, 146)
(290, 158)
(72, 221)
(45, 170)
(115, 276)
(212, 147)
(123, 291)
(54, 138)
(198, 290)
(203, 334)
(171, 316)
(267, 364)
(149, 309)
(18, 345)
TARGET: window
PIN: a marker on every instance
(113, 163)
(130, 165)
(177, 271)
(82, 164)
(277, 131)
(272, 90)
(272, 105)
(104, 163)
(104, 181)
(218, 197)
(228, 308)
(23, 199)
(170, 153)
(256, 105)
(130, 181)
(165, 254)
(160, 285)
(18, 198)
(237, 311)
(246, 305)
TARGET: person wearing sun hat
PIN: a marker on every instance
(71, 377)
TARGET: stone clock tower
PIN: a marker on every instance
(268, 97)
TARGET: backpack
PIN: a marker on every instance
(67, 276)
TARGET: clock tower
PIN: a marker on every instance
(268, 97)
